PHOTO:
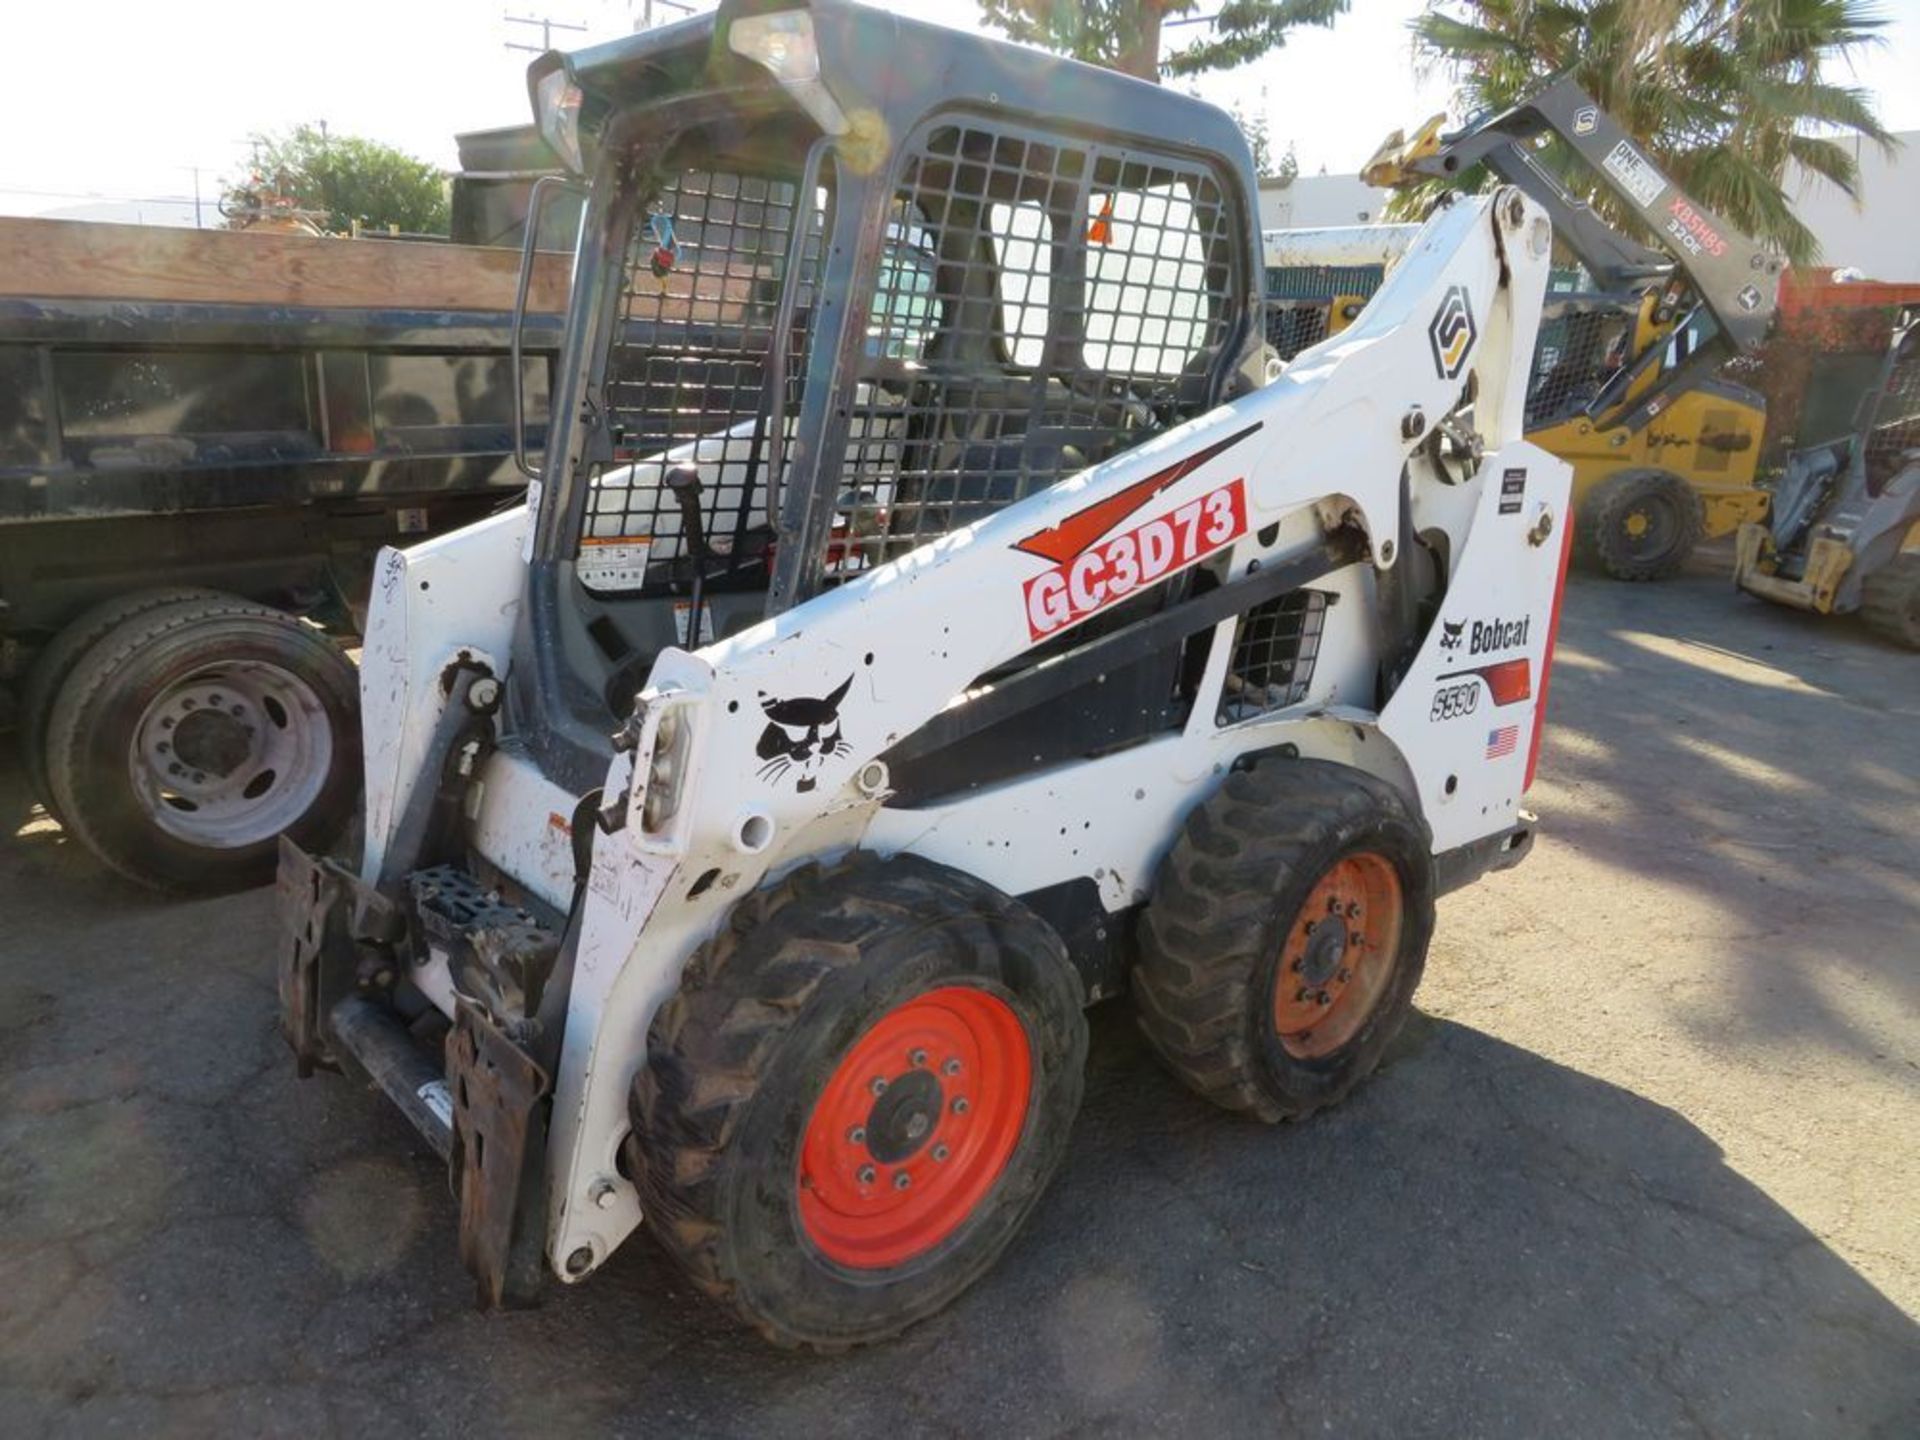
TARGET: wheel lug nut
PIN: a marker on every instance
(1343, 977)
(239, 710)
(960, 1106)
(163, 747)
(879, 1085)
(166, 722)
(940, 1152)
(1333, 905)
(902, 1180)
(1312, 925)
(1321, 999)
(1353, 909)
(857, 1135)
(952, 1067)
(866, 1175)
(918, 1058)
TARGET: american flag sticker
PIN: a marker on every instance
(1501, 742)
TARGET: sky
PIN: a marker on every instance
(131, 101)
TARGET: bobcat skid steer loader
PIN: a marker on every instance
(933, 614)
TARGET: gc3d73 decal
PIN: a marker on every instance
(801, 733)
(1090, 572)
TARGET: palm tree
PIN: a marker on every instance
(1724, 92)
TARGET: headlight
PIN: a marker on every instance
(557, 104)
(783, 45)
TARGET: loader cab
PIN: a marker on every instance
(845, 284)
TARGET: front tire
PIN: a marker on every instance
(190, 737)
(857, 1096)
(1286, 935)
(54, 664)
(1642, 524)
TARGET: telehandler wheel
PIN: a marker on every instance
(190, 737)
(1286, 935)
(1641, 524)
(1890, 601)
(858, 1094)
(53, 664)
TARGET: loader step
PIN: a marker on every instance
(497, 952)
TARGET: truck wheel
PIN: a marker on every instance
(1286, 935)
(858, 1094)
(1642, 524)
(190, 736)
(1890, 600)
(53, 664)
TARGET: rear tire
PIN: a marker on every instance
(1890, 601)
(1642, 524)
(190, 737)
(53, 664)
(1233, 988)
(857, 1096)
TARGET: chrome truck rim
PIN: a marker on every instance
(231, 755)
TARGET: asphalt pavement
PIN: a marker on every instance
(1646, 1162)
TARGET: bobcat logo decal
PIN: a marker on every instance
(1451, 332)
(801, 733)
(1451, 632)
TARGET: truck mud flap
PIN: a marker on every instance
(499, 1149)
(312, 922)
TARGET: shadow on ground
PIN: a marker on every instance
(1759, 769)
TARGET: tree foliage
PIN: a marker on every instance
(1723, 92)
(1127, 35)
(348, 179)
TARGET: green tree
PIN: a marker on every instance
(1723, 92)
(1126, 35)
(348, 179)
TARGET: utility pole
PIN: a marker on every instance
(647, 8)
(547, 27)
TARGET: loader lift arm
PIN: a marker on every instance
(1733, 276)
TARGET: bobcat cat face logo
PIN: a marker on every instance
(1451, 632)
(801, 733)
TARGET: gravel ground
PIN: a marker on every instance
(1644, 1163)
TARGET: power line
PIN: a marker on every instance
(547, 27)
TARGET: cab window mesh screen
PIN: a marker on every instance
(688, 377)
(1083, 295)
(1895, 435)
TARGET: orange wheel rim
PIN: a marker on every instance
(1338, 956)
(914, 1127)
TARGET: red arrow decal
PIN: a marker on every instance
(1060, 543)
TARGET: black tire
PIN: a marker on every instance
(1226, 905)
(97, 717)
(739, 1060)
(1612, 521)
(1890, 601)
(52, 666)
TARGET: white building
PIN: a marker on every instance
(1311, 201)
(1880, 232)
